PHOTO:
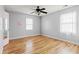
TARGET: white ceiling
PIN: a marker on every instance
(29, 8)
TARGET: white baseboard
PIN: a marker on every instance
(60, 39)
(12, 38)
(47, 36)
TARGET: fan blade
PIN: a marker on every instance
(31, 12)
(43, 11)
(39, 13)
(34, 12)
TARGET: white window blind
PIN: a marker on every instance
(68, 23)
(29, 24)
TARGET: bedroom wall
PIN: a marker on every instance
(50, 25)
(17, 24)
(46, 25)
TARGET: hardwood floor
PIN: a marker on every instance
(40, 45)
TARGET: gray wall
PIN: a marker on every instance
(50, 25)
(17, 25)
(46, 25)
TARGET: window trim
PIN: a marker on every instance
(29, 24)
(73, 23)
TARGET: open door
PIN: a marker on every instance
(4, 30)
(1, 34)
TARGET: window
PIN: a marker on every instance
(68, 23)
(29, 24)
(6, 24)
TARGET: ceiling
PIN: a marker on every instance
(27, 9)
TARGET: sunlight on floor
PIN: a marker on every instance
(29, 46)
(65, 50)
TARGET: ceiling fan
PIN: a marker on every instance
(39, 10)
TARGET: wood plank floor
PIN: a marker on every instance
(40, 45)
